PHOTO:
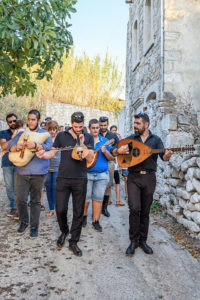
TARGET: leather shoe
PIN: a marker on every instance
(61, 239)
(145, 247)
(75, 249)
(131, 248)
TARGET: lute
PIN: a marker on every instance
(96, 153)
(138, 152)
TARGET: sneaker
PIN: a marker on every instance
(84, 223)
(16, 217)
(97, 226)
(22, 228)
(11, 213)
(34, 232)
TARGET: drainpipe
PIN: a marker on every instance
(162, 43)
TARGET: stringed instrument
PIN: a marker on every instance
(23, 157)
(96, 153)
(80, 151)
(138, 152)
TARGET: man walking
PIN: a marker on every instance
(72, 179)
(9, 170)
(103, 123)
(30, 178)
(141, 184)
(98, 176)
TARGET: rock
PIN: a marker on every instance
(191, 206)
(167, 171)
(192, 226)
(195, 198)
(183, 193)
(172, 181)
(182, 203)
(188, 163)
(190, 173)
(197, 173)
(181, 175)
(197, 206)
(187, 213)
(169, 122)
(176, 161)
(175, 173)
(189, 186)
(196, 217)
(196, 184)
(198, 162)
(176, 209)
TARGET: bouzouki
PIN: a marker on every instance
(96, 153)
(139, 151)
(80, 151)
(23, 157)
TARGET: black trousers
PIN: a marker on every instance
(140, 197)
(64, 188)
(24, 185)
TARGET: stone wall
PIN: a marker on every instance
(61, 113)
(163, 83)
(181, 49)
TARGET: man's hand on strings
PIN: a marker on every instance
(168, 154)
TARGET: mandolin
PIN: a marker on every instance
(96, 153)
(139, 151)
(79, 151)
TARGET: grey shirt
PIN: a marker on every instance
(54, 162)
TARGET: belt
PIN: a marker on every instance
(143, 172)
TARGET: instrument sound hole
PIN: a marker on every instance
(135, 152)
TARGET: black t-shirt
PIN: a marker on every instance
(69, 167)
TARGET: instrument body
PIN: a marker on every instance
(80, 151)
(23, 157)
(138, 152)
(96, 153)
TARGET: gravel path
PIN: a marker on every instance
(35, 269)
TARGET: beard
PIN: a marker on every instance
(12, 126)
(139, 132)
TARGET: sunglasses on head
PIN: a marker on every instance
(13, 121)
(78, 118)
(103, 119)
(141, 114)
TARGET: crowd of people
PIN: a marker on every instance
(81, 162)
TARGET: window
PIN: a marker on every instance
(135, 42)
(147, 22)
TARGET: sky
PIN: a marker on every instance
(101, 25)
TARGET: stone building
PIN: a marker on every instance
(162, 78)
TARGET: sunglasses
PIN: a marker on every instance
(141, 114)
(103, 119)
(13, 121)
(77, 118)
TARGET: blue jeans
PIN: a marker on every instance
(9, 174)
(96, 186)
(51, 189)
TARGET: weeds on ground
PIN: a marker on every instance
(156, 207)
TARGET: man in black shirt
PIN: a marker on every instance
(72, 178)
(141, 184)
(103, 123)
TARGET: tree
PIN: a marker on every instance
(92, 82)
(32, 33)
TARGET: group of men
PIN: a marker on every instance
(85, 184)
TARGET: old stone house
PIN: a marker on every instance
(162, 78)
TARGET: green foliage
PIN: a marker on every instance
(156, 207)
(32, 33)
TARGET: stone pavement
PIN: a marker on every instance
(35, 269)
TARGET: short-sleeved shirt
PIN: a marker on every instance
(69, 167)
(6, 135)
(37, 166)
(149, 164)
(102, 162)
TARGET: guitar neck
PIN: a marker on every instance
(178, 149)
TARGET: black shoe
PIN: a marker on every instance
(34, 232)
(75, 249)
(131, 248)
(61, 239)
(84, 223)
(145, 247)
(104, 207)
(22, 228)
(97, 226)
